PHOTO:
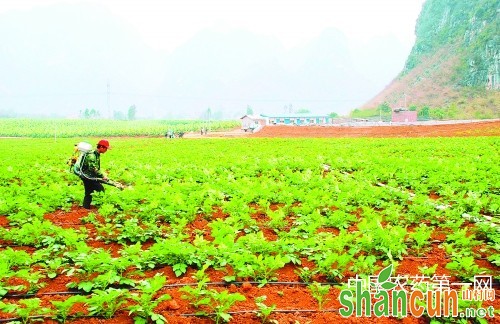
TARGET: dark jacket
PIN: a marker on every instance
(91, 165)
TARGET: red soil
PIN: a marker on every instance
(449, 130)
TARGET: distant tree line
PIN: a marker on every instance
(90, 113)
(424, 112)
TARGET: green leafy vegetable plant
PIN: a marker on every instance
(465, 267)
(305, 274)
(319, 292)
(30, 311)
(107, 302)
(428, 271)
(145, 303)
(263, 311)
(64, 307)
(420, 237)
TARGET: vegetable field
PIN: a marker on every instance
(251, 230)
(55, 128)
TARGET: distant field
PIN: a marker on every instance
(90, 127)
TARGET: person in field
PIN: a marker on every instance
(91, 174)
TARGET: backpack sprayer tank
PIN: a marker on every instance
(83, 147)
(80, 150)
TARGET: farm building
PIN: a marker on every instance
(251, 122)
(403, 116)
(297, 119)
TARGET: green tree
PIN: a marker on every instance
(249, 110)
(437, 113)
(131, 112)
(385, 108)
(303, 111)
(333, 115)
(118, 115)
(452, 111)
(91, 113)
(424, 112)
(355, 113)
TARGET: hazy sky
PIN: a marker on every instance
(166, 24)
(176, 76)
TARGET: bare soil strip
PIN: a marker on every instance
(491, 128)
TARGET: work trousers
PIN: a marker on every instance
(90, 187)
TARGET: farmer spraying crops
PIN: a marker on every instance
(88, 167)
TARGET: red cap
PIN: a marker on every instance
(104, 143)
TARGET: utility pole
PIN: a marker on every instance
(109, 101)
(209, 113)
